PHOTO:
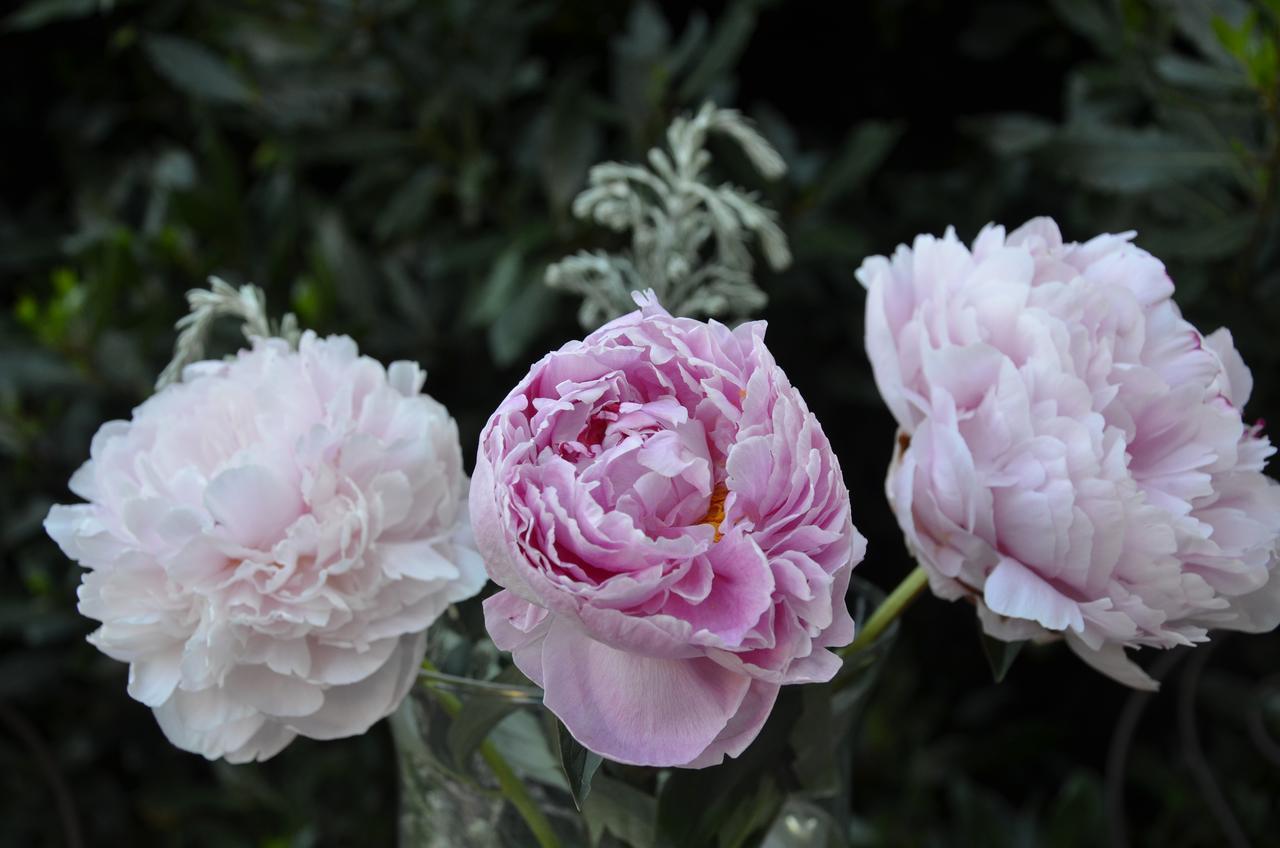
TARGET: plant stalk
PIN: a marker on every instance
(894, 605)
(510, 784)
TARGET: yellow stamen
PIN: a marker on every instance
(715, 510)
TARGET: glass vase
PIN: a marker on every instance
(479, 762)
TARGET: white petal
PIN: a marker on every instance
(406, 377)
(335, 666)
(351, 710)
(1014, 590)
(152, 680)
(213, 741)
(269, 740)
(415, 560)
(1112, 661)
(253, 504)
(272, 693)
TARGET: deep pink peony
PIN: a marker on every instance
(267, 540)
(1071, 454)
(673, 534)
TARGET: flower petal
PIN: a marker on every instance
(634, 709)
(253, 504)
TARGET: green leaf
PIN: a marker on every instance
(1201, 76)
(520, 738)
(44, 12)
(639, 73)
(647, 33)
(726, 45)
(408, 207)
(622, 810)
(1204, 241)
(981, 816)
(1235, 40)
(691, 44)
(569, 143)
(1126, 161)
(1012, 133)
(520, 322)
(343, 265)
(1253, 47)
(865, 149)
(1000, 654)
(1093, 20)
(578, 763)
(752, 814)
(498, 290)
(1264, 63)
(695, 805)
(812, 739)
(473, 724)
(196, 69)
(472, 185)
(35, 370)
(1078, 812)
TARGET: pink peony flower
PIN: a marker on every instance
(1071, 454)
(673, 534)
(266, 542)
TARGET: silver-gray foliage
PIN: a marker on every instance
(689, 239)
(221, 299)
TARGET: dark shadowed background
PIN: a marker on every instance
(402, 172)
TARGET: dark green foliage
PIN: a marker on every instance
(402, 172)
(1000, 655)
(579, 764)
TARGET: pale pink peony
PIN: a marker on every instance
(673, 534)
(1071, 454)
(267, 541)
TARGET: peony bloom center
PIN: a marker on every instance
(715, 510)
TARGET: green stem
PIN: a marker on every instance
(894, 605)
(512, 787)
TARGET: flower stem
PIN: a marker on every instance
(512, 787)
(514, 790)
(894, 605)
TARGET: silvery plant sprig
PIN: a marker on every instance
(689, 239)
(222, 300)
